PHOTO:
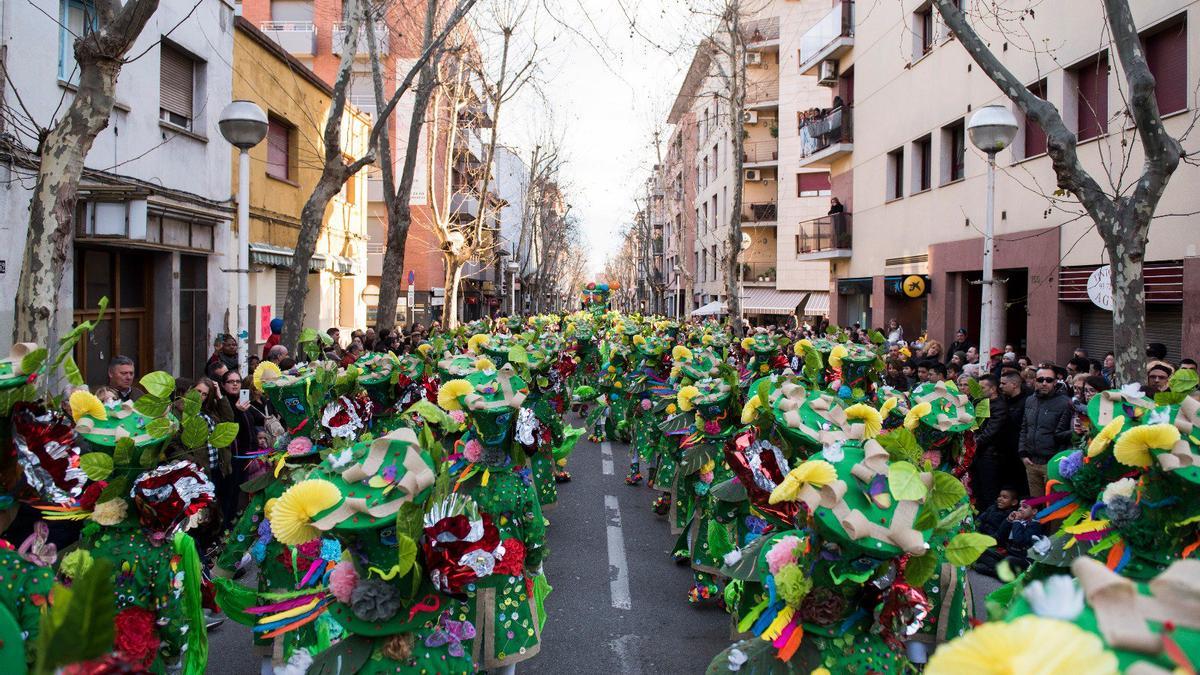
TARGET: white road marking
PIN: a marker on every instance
(618, 566)
(606, 458)
(626, 649)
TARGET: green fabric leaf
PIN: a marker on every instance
(763, 393)
(947, 491)
(1182, 381)
(348, 655)
(33, 360)
(158, 384)
(901, 445)
(195, 432)
(96, 465)
(966, 547)
(718, 539)
(517, 354)
(921, 569)
(71, 370)
(926, 518)
(159, 427)
(876, 337)
(406, 553)
(746, 568)
(151, 405)
(80, 626)
(953, 519)
(150, 455)
(308, 335)
(118, 487)
(974, 390)
(429, 412)
(983, 410)
(1169, 398)
(732, 491)
(123, 452)
(904, 482)
(223, 434)
(410, 520)
(191, 403)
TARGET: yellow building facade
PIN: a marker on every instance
(284, 170)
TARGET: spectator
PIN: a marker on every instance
(287, 364)
(1080, 353)
(274, 338)
(248, 420)
(277, 354)
(895, 333)
(953, 371)
(225, 350)
(215, 370)
(936, 372)
(334, 351)
(987, 470)
(1045, 429)
(1094, 384)
(1029, 374)
(972, 355)
(252, 362)
(1156, 351)
(909, 371)
(1078, 365)
(353, 353)
(835, 207)
(107, 394)
(960, 344)
(121, 375)
(1023, 530)
(1158, 376)
(933, 350)
(1109, 370)
(892, 376)
(1187, 364)
(994, 522)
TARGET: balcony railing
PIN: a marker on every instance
(761, 30)
(754, 152)
(339, 37)
(838, 23)
(818, 133)
(759, 212)
(825, 234)
(762, 92)
(297, 37)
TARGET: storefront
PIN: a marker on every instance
(854, 301)
(1164, 309)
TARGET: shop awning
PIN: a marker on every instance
(816, 305)
(771, 301)
(711, 309)
(281, 256)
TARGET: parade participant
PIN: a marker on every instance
(645, 384)
(540, 429)
(765, 357)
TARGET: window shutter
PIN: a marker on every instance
(812, 182)
(175, 87)
(282, 279)
(1092, 80)
(1035, 137)
(1166, 54)
(278, 149)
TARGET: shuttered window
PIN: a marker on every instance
(279, 149)
(812, 184)
(1091, 80)
(282, 279)
(1035, 137)
(177, 73)
(1166, 54)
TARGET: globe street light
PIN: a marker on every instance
(992, 129)
(244, 125)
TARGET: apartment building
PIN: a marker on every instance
(778, 198)
(915, 189)
(679, 221)
(314, 31)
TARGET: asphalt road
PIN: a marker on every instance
(619, 603)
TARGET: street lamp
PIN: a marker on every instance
(992, 129)
(244, 125)
(513, 268)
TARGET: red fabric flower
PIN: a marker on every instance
(513, 563)
(442, 557)
(88, 499)
(135, 640)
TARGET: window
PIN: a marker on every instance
(279, 149)
(76, 19)
(714, 262)
(702, 259)
(923, 31)
(350, 193)
(1091, 82)
(922, 164)
(1035, 136)
(1166, 54)
(895, 174)
(716, 155)
(954, 151)
(177, 83)
(704, 222)
(812, 185)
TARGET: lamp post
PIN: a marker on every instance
(513, 267)
(244, 125)
(992, 129)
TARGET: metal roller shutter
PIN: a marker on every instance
(1163, 324)
(282, 279)
(176, 85)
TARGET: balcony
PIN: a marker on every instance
(761, 33)
(375, 189)
(825, 238)
(826, 138)
(758, 272)
(339, 37)
(759, 214)
(829, 38)
(465, 206)
(762, 94)
(759, 153)
(297, 37)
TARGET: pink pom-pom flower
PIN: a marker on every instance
(473, 450)
(782, 553)
(300, 445)
(458, 416)
(342, 581)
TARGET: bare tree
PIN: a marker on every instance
(62, 149)
(337, 169)
(1122, 215)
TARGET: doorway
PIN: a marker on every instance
(124, 278)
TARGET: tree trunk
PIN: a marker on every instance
(737, 104)
(1129, 303)
(100, 55)
(453, 277)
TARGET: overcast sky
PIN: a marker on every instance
(607, 88)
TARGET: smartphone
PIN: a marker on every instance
(244, 396)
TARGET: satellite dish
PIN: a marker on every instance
(746, 241)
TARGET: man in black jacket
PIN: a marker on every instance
(1014, 392)
(960, 344)
(987, 469)
(1045, 430)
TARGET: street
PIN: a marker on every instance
(619, 603)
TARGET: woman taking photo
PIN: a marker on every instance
(248, 419)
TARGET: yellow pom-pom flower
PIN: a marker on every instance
(747, 343)
(424, 348)
(85, 403)
(838, 353)
(450, 392)
(871, 418)
(913, 419)
(750, 410)
(265, 372)
(478, 342)
(291, 518)
(681, 353)
(888, 406)
(485, 364)
(685, 396)
(707, 339)
(800, 346)
(815, 472)
(1133, 447)
(1102, 440)
(1031, 644)
(672, 408)
(639, 340)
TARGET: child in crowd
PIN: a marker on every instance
(1014, 535)
(106, 394)
(995, 521)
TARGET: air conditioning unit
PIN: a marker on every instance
(753, 174)
(750, 117)
(828, 73)
(754, 58)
